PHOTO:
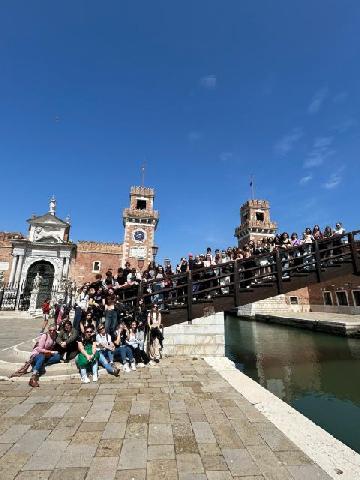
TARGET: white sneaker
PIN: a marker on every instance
(152, 363)
(133, 366)
(85, 380)
(126, 368)
(141, 365)
(95, 378)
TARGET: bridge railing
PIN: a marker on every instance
(238, 276)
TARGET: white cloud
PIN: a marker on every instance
(320, 151)
(317, 100)
(286, 143)
(305, 180)
(209, 82)
(225, 156)
(194, 136)
(333, 181)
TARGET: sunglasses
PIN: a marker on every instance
(88, 331)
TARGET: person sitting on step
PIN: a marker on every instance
(88, 356)
(106, 347)
(43, 354)
(66, 341)
(156, 337)
(123, 350)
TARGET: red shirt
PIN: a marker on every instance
(46, 307)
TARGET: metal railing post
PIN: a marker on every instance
(189, 299)
(236, 284)
(279, 275)
(317, 261)
(354, 254)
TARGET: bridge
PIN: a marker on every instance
(228, 285)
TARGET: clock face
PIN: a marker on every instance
(139, 235)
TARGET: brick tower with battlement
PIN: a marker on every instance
(140, 222)
(255, 222)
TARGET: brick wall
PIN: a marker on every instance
(108, 254)
(5, 252)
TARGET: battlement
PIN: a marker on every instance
(255, 204)
(143, 191)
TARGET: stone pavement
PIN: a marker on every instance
(180, 420)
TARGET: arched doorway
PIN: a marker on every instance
(46, 271)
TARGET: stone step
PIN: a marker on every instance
(215, 350)
(194, 339)
(194, 329)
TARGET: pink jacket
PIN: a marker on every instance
(44, 343)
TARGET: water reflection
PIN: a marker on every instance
(316, 373)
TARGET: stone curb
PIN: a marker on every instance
(335, 458)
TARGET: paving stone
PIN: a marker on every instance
(141, 418)
(140, 408)
(92, 427)
(30, 442)
(177, 406)
(4, 447)
(293, 457)
(226, 436)
(57, 410)
(161, 452)
(114, 430)
(136, 430)
(35, 475)
(104, 468)
(69, 474)
(133, 454)
(109, 448)
(63, 433)
(19, 410)
(308, 472)
(11, 464)
(77, 455)
(160, 434)
(161, 470)
(214, 462)
(185, 445)
(208, 449)
(240, 462)
(192, 476)
(247, 431)
(86, 438)
(203, 432)
(47, 456)
(268, 463)
(219, 475)
(189, 463)
(130, 475)
(99, 412)
(182, 429)
(13, 434)
(276, 440)
(45, 423)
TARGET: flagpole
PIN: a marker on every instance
(252, 187)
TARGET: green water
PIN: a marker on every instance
(318, 374)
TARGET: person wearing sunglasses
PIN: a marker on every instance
(88, 357)
(43, 354)
(106, 347)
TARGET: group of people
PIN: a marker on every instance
(100, 334)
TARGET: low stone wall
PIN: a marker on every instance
(272, 305)
(205, 336)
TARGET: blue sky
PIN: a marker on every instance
(208, 92)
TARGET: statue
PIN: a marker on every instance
(41, 233)
(37, 282)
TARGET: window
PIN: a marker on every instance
(96, 266)
(260, 216)
(328, 298)
(141, 204)
(342, 299)
(356, 296)
(294, 301)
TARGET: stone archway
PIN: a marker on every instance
(46, 271)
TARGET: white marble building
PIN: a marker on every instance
(47, 251)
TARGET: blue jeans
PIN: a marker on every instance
(94, 367)
(104, 362)
(110, 321)
(77, 318)
(124, 351)
(41, 361)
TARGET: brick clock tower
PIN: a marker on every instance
(255, 222)
(140, 221)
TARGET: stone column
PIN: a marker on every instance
(13, 268)
(19, 268)
(66, 267)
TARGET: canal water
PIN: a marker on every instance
(318, 374)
